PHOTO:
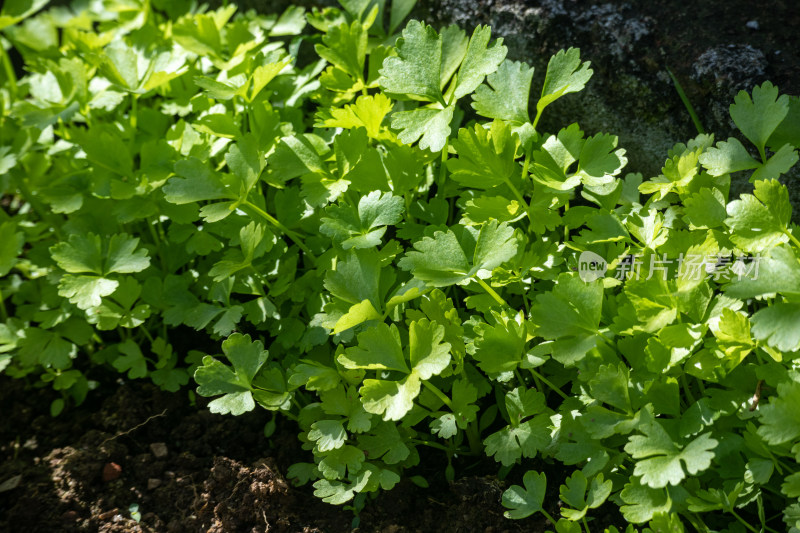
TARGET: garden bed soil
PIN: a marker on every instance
(189, 470)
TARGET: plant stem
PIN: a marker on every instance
(3, 311)
(134, 111)
(443, 166)
(686, 388)
(547, 382)
(538, 116)
(763, 154)
(537, 382)
(431, 444)
(439, 394)
(686, 103)
(442, 176)
(603, 336)
(521, 200)
(474, 437)
(743, 521)
(12, 77)
(547, 515)
(792, 238)
(697, 522)
(157, 243)
(701, 386)
(491, 291)
(147, 334)
(527, 163)
(286, 231)
(585, 525)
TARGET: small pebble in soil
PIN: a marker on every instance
(108, 514)
(752, 24)
(153, 483)
(111, 471)
(159, 449)
(10, 483)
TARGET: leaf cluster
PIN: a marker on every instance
(392, 276)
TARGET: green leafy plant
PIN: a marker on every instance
(395, 271)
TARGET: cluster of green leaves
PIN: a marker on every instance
(136, 206)
(388, 243)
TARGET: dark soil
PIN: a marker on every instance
(220, 473)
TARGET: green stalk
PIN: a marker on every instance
(409, 200)
(147, 334)
(697, 522)
(527, 162)
(743, 521)
(548, 383)
(134, 111)
(547, 515)
(792, 238)
(3, 311)
(474, 437)
(443, 165)
(537, 382)
(606, 339)
(12, 77)
(157, 243)
(525, 301)
(439, 394)
(286, 231)
(701, 386)
(521, 200)
(763, 154)
(491, 292)
(538, 116)
(686, 103)
(442, 176)
(431, 444)
(585, 524)
(686, 388)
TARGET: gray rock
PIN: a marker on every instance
(159, 450)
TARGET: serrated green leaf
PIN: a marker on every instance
(759, 222)
(565, 74)
(760, 116)
(485, 156)
(459, 253)
(661, 460)
(780, 418)
(234, 382)
(777, 272)
(480, 60)
(328, 435)
(726, 157)
(429, 125)
(506, 93)
(524, 501)
(416, 68)
(570, 315)
(363, 227)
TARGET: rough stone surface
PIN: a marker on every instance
(714, 50)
